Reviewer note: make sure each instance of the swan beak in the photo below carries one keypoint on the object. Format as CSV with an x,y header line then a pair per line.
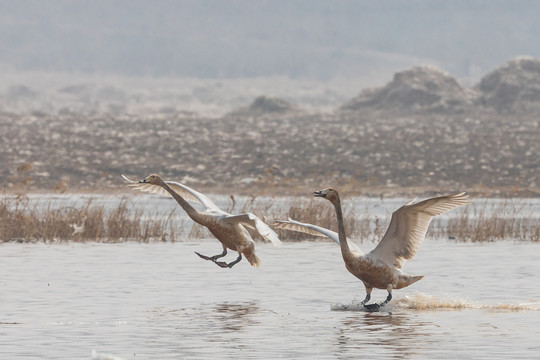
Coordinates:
x,y
143,181
319,193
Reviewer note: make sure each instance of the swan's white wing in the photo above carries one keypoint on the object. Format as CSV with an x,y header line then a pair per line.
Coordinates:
x,y
203,199
409,225
311,229
252,221
186,192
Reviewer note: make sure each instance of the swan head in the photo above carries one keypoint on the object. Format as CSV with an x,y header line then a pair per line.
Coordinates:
x,y
329,194
152,179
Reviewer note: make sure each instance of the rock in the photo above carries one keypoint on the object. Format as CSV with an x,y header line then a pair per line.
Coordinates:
x,y
515,86
421,88
264,105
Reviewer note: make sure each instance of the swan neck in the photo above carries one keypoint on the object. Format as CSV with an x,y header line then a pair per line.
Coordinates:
x,y
190,210
341,229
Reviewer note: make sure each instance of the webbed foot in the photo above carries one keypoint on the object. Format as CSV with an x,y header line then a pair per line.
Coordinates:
x,y
376,307
222,264
372,307
204,257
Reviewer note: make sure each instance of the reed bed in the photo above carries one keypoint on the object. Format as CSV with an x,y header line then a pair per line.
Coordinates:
x,y
481,221
22,221
484,222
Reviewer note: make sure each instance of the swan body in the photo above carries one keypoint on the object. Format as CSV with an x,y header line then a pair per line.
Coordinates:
x,y
227,228
381,267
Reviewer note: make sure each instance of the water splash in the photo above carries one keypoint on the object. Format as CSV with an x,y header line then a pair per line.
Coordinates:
x,y
421,301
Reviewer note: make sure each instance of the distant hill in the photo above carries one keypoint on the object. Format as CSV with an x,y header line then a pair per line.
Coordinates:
x,y
420,89
422,132
264,105
513,87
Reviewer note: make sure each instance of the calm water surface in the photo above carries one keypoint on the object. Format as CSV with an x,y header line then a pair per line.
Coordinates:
x,y
160,301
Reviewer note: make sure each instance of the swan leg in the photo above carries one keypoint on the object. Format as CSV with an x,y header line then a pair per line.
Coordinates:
x,y
223,264
215,257
388,298
230,265
368,295
376,307
370,307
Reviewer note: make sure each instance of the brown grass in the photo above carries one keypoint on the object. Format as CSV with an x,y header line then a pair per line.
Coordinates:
x,y
360,225
484,222
21,221
477,222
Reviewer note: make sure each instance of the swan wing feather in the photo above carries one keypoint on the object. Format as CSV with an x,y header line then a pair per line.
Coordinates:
x,y
294,225
185,191
252,221
409,225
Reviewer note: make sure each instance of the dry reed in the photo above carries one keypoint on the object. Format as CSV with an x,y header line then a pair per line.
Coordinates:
x,y
484,222
21,221
477,222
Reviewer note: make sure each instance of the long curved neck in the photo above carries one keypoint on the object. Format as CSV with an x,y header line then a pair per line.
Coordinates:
x,y
345,250
190,210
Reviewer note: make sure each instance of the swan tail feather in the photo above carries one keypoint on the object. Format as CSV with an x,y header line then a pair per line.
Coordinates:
x,y
414,279
252,258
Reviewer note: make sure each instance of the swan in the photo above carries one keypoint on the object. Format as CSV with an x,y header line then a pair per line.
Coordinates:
x,y
381,267
227,228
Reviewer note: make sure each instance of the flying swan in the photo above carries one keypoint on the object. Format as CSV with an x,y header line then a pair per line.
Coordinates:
x,y
227,228
381,267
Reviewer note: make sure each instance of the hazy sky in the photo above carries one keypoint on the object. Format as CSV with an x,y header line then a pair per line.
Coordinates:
x,y
248,38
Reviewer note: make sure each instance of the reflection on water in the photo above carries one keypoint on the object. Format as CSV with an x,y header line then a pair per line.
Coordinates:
x,y
394,335
235,317
159,301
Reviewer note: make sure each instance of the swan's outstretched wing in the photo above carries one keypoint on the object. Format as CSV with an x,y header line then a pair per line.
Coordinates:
x,y
186,192
311,229
409,225
252,221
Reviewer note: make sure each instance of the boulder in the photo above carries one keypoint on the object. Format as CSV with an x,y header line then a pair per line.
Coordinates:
x,y
268,106
513,87
420,89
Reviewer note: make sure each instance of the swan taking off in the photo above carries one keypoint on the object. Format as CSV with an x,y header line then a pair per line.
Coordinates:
x,y
381,268
228,229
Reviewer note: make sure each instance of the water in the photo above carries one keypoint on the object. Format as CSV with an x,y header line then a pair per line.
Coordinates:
x,y
161,301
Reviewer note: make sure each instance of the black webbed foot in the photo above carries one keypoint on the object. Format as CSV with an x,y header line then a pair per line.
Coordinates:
x,y
204,257
372,307
222,264
377,307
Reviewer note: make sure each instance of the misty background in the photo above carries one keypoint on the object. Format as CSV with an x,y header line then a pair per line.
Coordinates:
x,y
272,95
211,56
